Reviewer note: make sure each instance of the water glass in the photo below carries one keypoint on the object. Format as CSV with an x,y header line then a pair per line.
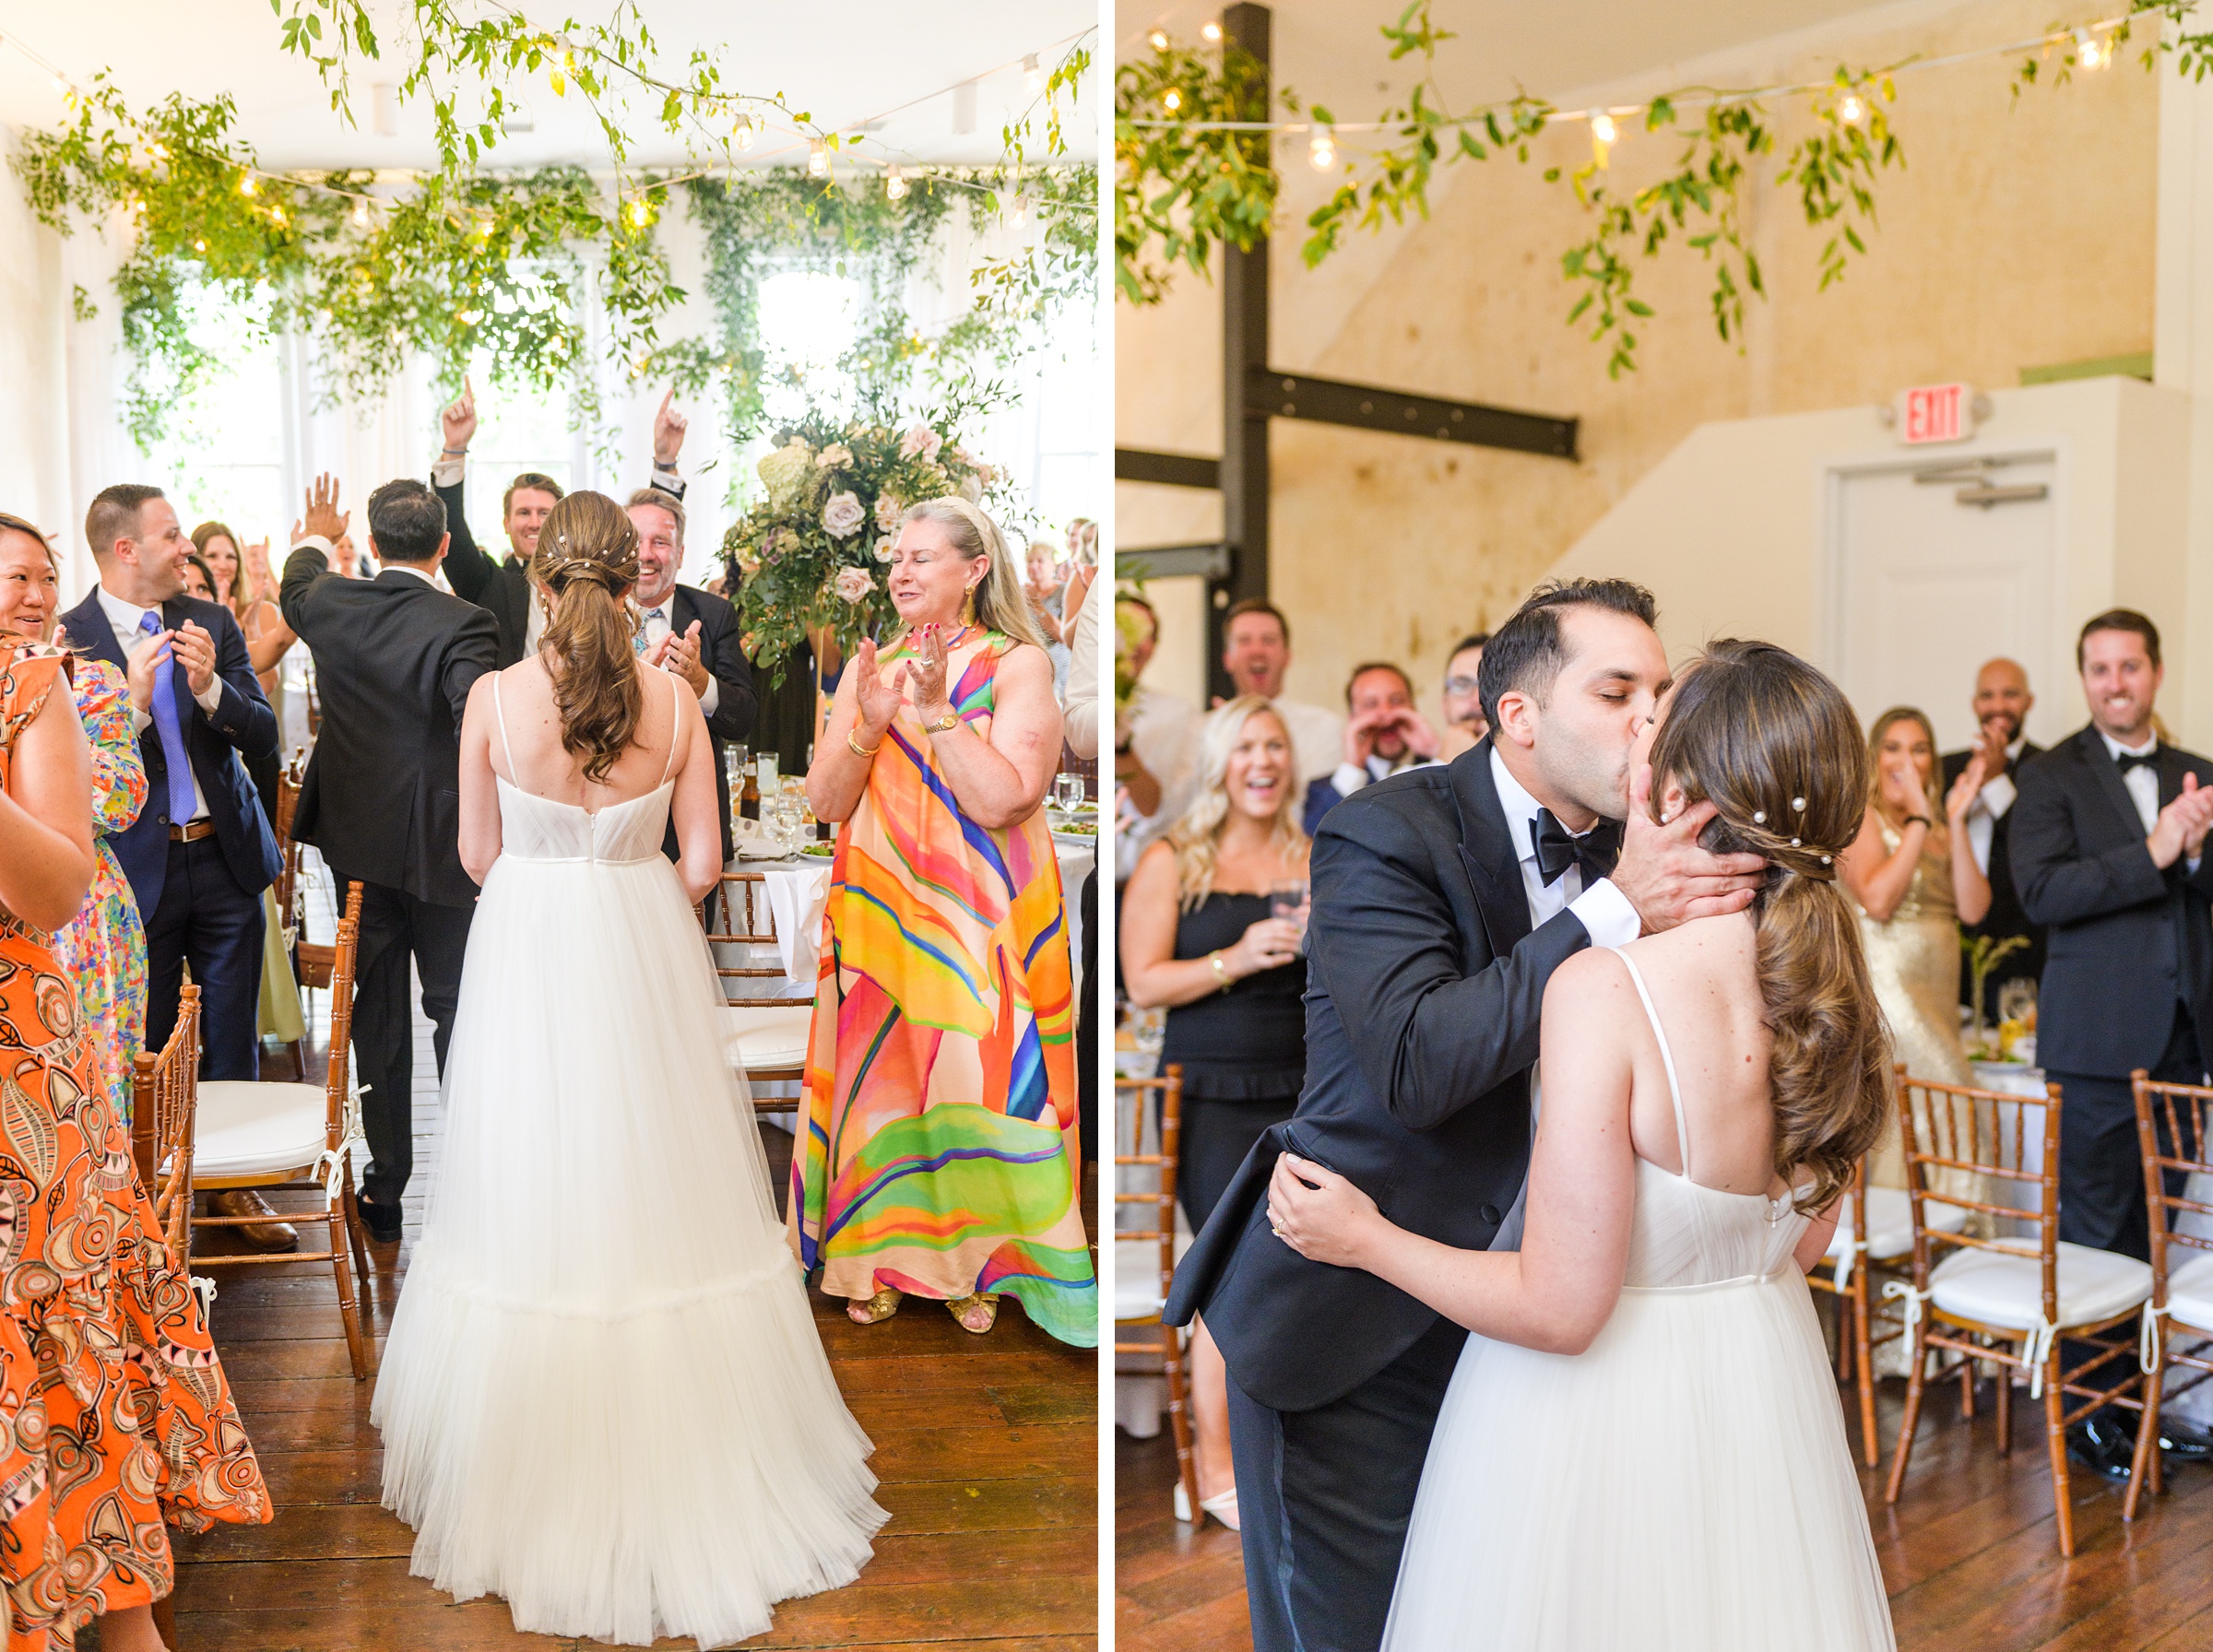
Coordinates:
x,y
764,775
1068,793
2016,1002
1290,900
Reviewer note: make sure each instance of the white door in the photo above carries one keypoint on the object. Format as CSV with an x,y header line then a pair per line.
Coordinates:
x,y
1935,568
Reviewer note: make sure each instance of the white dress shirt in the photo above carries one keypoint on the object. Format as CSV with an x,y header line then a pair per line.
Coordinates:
x,y
1990,806
126,617
2143,784
412,571
658,625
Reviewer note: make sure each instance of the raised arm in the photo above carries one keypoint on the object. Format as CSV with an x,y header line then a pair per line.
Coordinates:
x,y
468,569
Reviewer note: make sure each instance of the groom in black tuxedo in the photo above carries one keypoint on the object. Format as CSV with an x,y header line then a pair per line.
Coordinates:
x,y
1444,898
395,660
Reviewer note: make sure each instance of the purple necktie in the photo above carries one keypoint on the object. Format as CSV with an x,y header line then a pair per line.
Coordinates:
x,y
183,797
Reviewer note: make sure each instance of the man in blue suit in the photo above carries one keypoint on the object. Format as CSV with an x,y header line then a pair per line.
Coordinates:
x,y
200,853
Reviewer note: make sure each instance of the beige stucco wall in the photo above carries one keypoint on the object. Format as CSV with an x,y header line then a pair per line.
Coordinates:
x,y
2020,234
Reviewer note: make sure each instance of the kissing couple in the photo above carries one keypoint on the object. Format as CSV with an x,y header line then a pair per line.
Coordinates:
x,y
1505,1376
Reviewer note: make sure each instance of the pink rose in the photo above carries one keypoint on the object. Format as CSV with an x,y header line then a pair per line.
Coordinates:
x,y
920,439
889,508
842,516
853,584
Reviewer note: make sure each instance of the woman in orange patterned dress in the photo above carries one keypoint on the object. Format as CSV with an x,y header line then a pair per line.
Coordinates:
x,y
114,1410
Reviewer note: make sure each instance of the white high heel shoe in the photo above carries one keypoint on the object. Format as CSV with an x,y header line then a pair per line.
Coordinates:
x,y
1223,1506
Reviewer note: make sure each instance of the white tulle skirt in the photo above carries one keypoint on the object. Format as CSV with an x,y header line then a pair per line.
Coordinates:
x,y
1683,1485
603,1397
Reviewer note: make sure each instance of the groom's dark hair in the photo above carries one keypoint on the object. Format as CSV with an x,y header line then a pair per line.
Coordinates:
x,y
406,522
1526,653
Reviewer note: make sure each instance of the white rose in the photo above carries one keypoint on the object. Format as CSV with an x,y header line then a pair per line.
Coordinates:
x,y
972,490
920,439
834,455
884,550
889,508
843,515
853,584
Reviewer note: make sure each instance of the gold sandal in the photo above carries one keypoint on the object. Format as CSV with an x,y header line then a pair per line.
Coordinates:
x,y
959,1306
880,1307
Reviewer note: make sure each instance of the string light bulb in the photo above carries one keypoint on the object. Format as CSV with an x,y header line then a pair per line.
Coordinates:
x,y
1171,99
60,85
744,133
360,214
639,213
1032,76
1018,212
1321,154
247,185
895,183
1211,32
1851,110
2089,50
1603,129
818,158
1160,40
277,216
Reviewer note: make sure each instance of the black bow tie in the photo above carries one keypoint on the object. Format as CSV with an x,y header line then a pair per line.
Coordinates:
x,y
2131,760
1558,849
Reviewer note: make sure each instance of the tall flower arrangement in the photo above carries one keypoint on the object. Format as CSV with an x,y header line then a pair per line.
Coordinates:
x,y
810,553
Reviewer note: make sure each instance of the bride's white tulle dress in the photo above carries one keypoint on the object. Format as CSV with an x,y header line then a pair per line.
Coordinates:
x,y
1683,1485
603,1397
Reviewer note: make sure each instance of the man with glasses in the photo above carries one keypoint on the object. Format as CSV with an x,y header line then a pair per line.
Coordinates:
x,y
1465,722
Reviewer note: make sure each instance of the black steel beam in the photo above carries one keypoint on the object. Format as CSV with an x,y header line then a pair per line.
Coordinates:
x,y
1168,470
1245,477
1209,559
1271,393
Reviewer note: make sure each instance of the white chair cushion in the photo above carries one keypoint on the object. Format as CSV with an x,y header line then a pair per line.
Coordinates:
x,y
245,1128
756,1040
2190,1292
1890,1223
1136,1279
2006,1288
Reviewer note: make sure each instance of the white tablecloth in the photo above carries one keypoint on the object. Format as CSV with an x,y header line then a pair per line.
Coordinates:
x,y
799,891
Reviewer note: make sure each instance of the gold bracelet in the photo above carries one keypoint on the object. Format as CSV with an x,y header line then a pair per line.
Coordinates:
x,y
1220,973
859,749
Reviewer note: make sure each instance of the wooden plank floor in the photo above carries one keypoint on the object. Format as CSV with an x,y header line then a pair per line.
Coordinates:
x,y
1968,1555
985,1447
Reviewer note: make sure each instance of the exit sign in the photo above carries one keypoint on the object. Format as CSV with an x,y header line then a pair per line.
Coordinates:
x,y
1936,413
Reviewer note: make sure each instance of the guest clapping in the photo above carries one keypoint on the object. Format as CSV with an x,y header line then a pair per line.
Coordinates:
x,y
940,1148
1383,733
1199,938
2001,702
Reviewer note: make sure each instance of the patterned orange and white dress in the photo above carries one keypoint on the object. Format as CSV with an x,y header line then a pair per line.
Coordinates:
x,y
115,1413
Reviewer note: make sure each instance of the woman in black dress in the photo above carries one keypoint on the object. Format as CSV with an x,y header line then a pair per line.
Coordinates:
x,y
1199,938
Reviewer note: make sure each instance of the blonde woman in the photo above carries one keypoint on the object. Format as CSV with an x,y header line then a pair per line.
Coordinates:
x,y
939,1151
1914,877
1198,938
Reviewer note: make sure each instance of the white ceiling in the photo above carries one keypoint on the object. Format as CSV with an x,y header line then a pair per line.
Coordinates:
x,y
846,63
1331,51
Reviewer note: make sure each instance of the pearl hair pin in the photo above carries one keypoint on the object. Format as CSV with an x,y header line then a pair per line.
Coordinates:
x,y
1760,817
1798,804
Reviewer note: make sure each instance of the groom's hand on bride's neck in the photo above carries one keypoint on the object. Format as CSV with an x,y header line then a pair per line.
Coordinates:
x,y
1667,876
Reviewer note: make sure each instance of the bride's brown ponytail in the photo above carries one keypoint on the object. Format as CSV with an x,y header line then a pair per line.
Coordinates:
x,y
588,560
1774,745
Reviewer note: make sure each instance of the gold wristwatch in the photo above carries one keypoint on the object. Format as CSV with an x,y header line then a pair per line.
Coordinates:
x,y
945,724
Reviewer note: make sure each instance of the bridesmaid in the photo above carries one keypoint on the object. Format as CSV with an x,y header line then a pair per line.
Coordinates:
x,y
117,1415
103,950
1914,877
940,1146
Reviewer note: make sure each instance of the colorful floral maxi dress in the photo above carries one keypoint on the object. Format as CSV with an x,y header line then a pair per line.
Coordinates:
x,y
941,1152
113,1409
103,951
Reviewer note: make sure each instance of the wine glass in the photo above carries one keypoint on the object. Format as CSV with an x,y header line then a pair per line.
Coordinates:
x,y
1290,900
2016,1002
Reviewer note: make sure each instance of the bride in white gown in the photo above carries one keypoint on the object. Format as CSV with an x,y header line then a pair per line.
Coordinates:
x,y
603,1397
1642,1447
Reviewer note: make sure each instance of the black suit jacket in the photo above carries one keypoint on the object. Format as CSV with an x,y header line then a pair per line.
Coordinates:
x,y
2124,940
1425,988
241,726
2006,916
501,588
395,660
736,708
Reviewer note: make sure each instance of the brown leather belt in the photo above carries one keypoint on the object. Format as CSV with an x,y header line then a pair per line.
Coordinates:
x,y
192,832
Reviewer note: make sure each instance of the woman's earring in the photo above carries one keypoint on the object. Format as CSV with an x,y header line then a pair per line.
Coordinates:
x,y
968,606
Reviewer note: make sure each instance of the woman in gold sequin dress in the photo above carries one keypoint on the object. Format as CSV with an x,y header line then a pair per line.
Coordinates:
x,y
1916,882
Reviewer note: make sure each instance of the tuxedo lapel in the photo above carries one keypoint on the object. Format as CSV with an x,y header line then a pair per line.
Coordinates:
x,y
90,633
2108,775
2172,770
1487,850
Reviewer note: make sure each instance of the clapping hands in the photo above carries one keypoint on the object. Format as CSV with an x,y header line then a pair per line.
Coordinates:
x,y
2180,832
1967,788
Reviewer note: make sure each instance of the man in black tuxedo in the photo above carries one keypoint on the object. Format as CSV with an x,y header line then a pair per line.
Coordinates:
x,y
1444,898
200,853
395,660
2109,840
2002,703
693,633
503,588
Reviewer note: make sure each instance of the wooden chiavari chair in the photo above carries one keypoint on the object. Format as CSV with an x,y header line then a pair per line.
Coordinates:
x,y
1139,1296
164,1097
2178,1320
298,1138
1996,1292
313,964
765,1036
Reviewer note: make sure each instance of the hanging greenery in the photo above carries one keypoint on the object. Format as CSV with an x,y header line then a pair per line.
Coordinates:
x,y
454,262
1193,165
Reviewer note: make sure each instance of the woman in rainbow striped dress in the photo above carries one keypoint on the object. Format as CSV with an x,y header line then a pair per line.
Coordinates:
x,y
939,1155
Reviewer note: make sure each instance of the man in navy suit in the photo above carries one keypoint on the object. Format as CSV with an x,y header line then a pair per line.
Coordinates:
x,y
200,853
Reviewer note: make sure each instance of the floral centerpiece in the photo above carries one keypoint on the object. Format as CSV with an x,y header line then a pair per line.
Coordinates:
x,y
809,556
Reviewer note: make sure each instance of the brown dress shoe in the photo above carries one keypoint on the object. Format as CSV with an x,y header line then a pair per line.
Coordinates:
x,y
272,1236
